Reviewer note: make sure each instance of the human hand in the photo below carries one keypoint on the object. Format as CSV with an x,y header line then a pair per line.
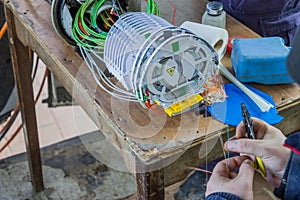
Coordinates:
x,y
268,146
224,179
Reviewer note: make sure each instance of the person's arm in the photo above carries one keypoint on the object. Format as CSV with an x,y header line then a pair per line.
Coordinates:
x,y
289,187
226,183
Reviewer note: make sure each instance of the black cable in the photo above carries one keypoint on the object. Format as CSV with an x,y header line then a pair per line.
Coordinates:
x,y
35,67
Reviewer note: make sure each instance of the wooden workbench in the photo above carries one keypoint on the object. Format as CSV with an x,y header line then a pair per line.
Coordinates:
x,y
158,148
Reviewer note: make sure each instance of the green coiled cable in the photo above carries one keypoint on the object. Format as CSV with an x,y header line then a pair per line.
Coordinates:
x,y
92,37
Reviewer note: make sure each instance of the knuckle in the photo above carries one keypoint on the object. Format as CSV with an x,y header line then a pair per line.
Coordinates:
x,y
245,146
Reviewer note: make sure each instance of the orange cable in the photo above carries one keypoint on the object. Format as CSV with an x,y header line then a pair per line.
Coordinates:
x,y
3,30
174,12
8,122
200,170
12,137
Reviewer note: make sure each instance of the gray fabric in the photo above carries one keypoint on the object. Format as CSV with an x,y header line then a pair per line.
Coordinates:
x,y
293,60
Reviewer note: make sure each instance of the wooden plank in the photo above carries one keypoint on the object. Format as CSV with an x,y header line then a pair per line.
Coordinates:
x,y
210,149
22,72
291,113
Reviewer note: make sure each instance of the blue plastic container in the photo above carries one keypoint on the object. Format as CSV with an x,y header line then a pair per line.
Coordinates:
x,y
260,60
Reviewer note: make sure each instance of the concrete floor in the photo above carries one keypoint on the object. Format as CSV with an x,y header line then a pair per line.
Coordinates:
x,y
71,172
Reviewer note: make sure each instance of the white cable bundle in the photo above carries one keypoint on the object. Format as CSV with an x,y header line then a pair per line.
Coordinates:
x,y
263,104
92,61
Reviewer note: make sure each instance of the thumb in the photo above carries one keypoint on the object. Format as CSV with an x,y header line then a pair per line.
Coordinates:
x,y
246,171
246,146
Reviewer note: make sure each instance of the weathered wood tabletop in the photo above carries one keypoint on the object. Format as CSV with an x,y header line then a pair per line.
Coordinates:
x,y
159,148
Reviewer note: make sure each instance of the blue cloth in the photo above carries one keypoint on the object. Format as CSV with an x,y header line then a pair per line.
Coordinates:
x,y
222,196
230,112
267,18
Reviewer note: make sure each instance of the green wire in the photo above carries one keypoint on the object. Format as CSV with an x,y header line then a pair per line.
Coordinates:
x,y
94,13
227,133
105,21
76,30
101,35
152,8
95,37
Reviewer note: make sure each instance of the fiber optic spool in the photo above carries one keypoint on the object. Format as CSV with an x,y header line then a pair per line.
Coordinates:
x,y
159,62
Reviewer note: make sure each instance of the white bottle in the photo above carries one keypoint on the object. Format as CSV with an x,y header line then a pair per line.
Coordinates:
x,y
214,15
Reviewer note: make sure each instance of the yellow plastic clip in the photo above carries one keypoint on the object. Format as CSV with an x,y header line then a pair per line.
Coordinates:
x,y
183,105
261,167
